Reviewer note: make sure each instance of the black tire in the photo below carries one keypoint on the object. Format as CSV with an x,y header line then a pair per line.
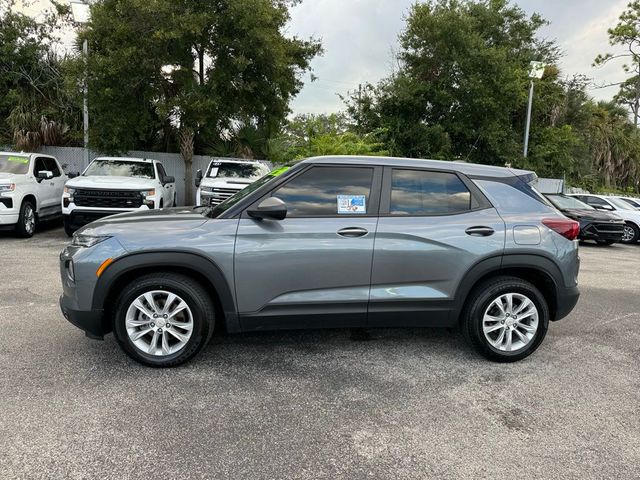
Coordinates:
x,y
478,302
68,229
24,228
636,233
196,297
605,242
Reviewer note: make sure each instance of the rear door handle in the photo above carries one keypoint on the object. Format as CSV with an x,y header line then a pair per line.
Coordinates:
x,y
352,232
480,231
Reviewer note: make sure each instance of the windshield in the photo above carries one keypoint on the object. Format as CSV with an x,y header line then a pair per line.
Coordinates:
x,y
562,202
14,164
632,202
214,212
238,170
120,168
622,205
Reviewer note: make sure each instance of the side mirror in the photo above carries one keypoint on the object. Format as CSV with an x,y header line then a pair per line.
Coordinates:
x,y
73,174
44,175
272,208
168,179
198,178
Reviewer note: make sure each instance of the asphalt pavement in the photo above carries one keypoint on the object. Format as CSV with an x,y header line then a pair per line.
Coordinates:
x,y
396,404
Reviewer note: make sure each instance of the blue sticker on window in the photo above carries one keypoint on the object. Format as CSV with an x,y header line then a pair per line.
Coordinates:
x,y
350,204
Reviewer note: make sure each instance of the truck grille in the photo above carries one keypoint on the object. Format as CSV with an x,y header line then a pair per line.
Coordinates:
x,y
107,198
219,195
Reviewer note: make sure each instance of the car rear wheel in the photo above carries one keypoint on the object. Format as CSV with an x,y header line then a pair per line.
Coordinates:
x,y
505,319
631,233
163,319
26,225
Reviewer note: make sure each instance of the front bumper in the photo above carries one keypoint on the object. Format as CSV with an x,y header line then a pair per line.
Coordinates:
x,y
567,299
91,321
79,217
602,231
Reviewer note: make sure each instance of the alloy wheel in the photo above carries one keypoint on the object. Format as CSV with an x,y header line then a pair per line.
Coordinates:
x,y
510,322
628,234
159,323
29,219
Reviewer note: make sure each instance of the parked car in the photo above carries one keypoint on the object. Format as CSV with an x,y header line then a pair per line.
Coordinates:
x,y
634,202
603,227
225,178
630,215
30,188
111,185
332,242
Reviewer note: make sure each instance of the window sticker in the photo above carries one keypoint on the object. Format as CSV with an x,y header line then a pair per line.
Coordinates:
x,y
278,171
350,204
18,159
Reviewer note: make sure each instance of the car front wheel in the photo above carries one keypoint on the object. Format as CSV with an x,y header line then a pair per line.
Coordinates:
x,y
163,319
506,319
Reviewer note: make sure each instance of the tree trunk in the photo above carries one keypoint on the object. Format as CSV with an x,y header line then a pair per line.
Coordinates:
x,y
186,150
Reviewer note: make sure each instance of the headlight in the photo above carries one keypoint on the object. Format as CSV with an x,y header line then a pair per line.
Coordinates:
x,y
87,241
7,187
148,193
69,190
149,202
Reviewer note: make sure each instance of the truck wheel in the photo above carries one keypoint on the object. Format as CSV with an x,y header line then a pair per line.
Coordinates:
x,y
26,225
163,319
68,229
505,319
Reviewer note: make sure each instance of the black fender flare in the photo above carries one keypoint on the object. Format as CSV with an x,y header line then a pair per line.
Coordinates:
x,y
496,265
169,259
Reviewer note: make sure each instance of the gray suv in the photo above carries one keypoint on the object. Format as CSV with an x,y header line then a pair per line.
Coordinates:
x,y
332,242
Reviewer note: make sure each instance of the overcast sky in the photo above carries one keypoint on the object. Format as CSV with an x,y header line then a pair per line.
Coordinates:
x,y
360,36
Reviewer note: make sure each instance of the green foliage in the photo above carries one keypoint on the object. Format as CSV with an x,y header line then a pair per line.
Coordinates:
x,y
313,135
157,65
31,80
462,82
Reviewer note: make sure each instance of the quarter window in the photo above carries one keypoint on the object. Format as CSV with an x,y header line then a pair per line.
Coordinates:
x,y
416,192
328,191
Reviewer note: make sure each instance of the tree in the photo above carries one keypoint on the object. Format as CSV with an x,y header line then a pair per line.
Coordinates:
x,y
460,89
626,34
313,135
34,107
159,68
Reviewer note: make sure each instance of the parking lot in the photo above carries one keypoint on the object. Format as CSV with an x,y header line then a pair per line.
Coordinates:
x,y
407,403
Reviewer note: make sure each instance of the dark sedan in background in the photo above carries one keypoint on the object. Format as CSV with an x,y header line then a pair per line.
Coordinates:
x,y
603,227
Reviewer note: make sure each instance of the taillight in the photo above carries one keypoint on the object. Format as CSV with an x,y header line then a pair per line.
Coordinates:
x,y
569,229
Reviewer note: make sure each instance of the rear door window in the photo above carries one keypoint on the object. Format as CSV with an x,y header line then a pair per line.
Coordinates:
x,y
418,192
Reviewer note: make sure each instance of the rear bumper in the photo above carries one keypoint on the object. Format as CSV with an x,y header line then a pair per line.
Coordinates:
x,y
602,231
566,301
92,322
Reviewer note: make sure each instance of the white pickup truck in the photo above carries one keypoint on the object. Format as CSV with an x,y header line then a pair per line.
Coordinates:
x,y
31,185
225,178
111,185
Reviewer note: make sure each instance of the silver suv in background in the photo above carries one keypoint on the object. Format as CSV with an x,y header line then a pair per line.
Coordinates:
x,y
332,242
225,178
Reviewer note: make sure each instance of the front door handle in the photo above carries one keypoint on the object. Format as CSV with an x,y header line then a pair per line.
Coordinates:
x,y
352,232
480,231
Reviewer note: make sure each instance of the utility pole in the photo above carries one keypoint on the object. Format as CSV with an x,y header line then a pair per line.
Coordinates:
x,y
85,107
536,72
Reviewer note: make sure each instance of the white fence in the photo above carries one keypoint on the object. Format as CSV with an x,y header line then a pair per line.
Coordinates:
x,y
72,160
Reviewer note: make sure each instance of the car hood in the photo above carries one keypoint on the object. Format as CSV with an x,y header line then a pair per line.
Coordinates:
x,y
231,182
151,223
593,215
11,177
111,182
